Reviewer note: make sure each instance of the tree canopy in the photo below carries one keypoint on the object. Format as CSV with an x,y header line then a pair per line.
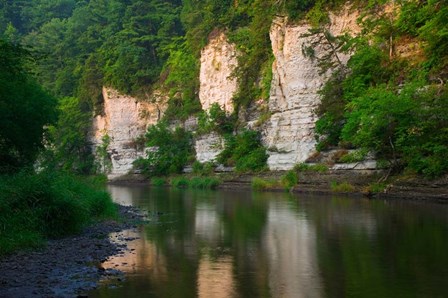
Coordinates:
x,y
25,109
138,46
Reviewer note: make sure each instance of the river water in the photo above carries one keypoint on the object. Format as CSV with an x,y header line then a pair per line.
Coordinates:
x,y
246,244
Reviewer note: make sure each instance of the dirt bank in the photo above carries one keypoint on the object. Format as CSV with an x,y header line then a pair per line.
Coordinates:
x,y
66,267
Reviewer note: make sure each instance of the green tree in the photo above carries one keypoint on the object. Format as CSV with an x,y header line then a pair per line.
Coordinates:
x,y
70,150
170,153
244,151
25,109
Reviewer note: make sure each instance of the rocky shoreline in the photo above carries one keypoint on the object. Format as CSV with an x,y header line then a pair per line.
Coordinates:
x,y
67,267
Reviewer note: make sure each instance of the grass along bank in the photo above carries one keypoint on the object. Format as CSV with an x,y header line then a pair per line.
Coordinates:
x,y
37,207
317,179
195,182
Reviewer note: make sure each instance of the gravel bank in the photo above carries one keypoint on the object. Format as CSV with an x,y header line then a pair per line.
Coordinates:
x,y
66,267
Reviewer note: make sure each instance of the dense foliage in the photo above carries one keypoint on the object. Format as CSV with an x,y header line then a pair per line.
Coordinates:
x,y
136,45
48,204
70,150
390,103
244,151
169,152
215,119
34,207
25,108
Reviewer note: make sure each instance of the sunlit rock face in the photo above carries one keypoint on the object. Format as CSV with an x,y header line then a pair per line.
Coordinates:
x,y
218,60
208,147
293,263
289,134
124,120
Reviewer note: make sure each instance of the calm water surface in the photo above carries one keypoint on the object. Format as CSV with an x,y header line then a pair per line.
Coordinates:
x,y
243,244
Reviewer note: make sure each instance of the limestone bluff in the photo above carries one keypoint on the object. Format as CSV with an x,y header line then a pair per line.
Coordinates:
x,y
288,134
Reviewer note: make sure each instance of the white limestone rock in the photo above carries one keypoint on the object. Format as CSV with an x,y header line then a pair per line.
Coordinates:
x,y
218,60
289,134
124,120
208,147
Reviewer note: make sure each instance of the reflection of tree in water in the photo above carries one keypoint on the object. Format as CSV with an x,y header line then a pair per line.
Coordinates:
x,y
200,237
244,220
172,215
382,249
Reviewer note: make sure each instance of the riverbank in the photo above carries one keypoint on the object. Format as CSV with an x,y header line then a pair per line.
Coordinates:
x,y
66,267
348,182
354,184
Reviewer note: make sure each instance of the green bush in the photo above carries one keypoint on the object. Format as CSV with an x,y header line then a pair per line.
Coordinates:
x,y
195,182
172,151
97,181
263,184
34,207
318,168
204,182
341,187
180,182
158,181
375,187
244,151
215,119
289,180
203,169
355,156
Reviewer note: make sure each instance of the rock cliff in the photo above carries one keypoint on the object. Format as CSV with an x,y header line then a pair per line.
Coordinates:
x,y
218,60
289,134
124,120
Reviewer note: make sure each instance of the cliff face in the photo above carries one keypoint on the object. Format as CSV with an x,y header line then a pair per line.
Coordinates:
x,y
124,120
218,60
289,134
208,147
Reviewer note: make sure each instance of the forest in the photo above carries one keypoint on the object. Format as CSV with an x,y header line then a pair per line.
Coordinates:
x,y
57,54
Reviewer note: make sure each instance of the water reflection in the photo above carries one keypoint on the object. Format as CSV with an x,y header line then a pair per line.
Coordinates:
x,y
290,244
238,244
215,277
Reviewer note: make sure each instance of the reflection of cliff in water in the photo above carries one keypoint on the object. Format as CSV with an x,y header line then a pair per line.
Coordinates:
x,y
221,246
290,244
231,244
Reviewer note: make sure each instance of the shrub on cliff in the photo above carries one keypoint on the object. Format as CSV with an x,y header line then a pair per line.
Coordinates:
x,y
172,150
244,151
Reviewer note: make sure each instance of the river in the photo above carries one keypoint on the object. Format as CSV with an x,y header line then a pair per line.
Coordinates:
x,y
248,244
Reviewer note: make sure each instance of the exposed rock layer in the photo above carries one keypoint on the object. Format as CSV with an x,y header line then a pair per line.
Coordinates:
x,y
289,134
208,147
125,119
218,60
